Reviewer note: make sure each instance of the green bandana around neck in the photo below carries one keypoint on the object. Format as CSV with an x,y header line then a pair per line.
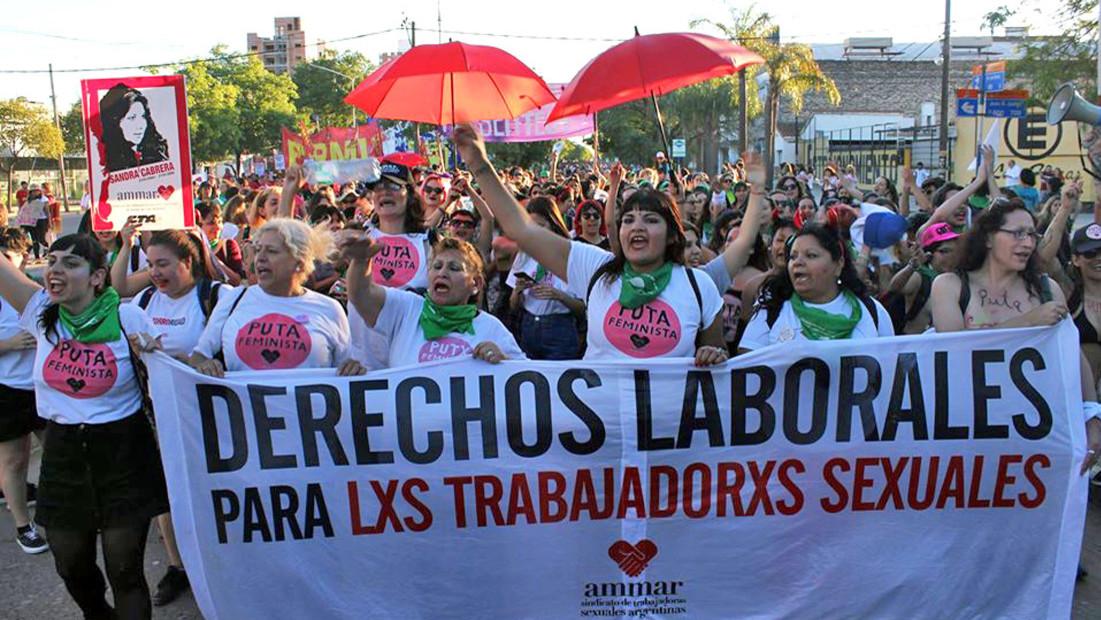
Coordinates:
x,y
927,271
540,273
640,288
438,321
98,323
821,325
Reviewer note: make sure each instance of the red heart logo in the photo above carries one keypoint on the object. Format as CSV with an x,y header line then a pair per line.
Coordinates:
x,y
166,191
633,559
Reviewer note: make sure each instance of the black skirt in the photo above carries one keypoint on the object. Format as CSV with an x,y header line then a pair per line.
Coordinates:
x,y
18,414
99,476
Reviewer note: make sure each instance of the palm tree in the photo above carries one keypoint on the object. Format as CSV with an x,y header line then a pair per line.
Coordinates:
x,y
792,70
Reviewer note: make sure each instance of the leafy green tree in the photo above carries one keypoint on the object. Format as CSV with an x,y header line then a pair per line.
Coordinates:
x,y
1070,56
526,154
236,106
25,129
629,132
791,68
322,86
72,129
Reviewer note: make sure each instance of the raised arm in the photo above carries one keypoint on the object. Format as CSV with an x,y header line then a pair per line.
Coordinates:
x,y
616,174
291,182
364,295
485,227
944,212
737,253
547,248
127,285
992,189
1057,229
15,286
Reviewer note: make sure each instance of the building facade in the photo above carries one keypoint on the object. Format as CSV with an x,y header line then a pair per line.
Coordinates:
x,y
281,52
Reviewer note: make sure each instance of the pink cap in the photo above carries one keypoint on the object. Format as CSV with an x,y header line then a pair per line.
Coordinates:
x,y
937,233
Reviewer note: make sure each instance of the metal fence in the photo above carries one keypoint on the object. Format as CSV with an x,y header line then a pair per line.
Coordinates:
x,y
876,151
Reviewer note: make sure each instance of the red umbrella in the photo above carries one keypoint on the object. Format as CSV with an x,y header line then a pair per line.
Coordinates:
x,y
648,66
409,160
451,83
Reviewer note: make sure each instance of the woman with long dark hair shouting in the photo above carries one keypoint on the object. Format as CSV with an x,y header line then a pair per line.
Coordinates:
x,y
101,472
642,301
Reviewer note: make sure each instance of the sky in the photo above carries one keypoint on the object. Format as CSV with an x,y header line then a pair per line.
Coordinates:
x,y
78,34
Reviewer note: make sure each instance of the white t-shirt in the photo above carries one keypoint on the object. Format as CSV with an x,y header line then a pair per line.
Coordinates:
x,y
77,383
16,367
180,322
787,327
403,261
399,322
265,332
538,307
664,327
403,264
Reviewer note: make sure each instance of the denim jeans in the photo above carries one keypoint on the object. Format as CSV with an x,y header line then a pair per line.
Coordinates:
x,y
550,336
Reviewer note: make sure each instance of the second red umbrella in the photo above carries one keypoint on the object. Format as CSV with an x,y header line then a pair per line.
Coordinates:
x,y
451,83
650,66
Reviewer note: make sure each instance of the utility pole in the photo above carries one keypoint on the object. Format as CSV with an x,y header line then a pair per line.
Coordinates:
x,y
743,117
439,23
61,158
946,60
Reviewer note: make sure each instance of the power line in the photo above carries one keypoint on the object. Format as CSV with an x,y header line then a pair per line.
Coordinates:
x,y
191,62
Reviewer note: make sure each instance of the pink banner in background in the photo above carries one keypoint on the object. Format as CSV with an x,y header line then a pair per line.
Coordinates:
x,y
532,127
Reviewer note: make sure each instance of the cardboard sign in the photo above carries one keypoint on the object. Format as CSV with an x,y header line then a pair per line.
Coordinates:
x,y
139,152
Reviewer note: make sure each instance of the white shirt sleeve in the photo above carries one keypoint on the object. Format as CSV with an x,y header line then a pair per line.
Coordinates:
x,y
210,341
886,327
716,270
400,306
710,296
584,260
756,332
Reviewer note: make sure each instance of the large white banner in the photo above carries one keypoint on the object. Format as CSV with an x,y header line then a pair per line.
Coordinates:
x,y
917,477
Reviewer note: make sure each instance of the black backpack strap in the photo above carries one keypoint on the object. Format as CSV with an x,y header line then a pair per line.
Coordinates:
x,y
965,291
207,290
146,297
220,355
869,304
919,300
135,258
599,273
696,290
1045,290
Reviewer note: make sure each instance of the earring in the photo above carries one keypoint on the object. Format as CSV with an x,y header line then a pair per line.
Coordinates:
x,y
839,282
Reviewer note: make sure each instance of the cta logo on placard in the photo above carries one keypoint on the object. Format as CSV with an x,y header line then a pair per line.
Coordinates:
x,y
651,330
635,599
273,341
397,263
80,370
444,348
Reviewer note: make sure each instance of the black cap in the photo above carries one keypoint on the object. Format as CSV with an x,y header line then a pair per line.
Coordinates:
x,y
1086,239
396,172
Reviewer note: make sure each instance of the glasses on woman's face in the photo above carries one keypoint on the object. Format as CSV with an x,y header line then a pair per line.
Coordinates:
x,y
462,224
1021,234
789,186
590,215
1089,254
433,190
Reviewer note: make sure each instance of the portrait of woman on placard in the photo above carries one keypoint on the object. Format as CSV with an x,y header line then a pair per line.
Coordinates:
x,y
130,138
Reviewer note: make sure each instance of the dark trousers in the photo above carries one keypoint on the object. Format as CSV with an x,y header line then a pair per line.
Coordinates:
x,y
38,235
74,554
550,336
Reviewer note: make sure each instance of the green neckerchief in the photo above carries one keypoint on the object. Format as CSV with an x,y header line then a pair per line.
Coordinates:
x,y
821,325
640,288
98,323
927,271
540,273
439,321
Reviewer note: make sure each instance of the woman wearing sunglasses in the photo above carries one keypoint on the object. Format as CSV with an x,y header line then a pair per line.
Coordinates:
x,y
999,285
588,226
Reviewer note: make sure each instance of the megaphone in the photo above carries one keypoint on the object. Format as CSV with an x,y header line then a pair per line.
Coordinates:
x,y
1068,105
